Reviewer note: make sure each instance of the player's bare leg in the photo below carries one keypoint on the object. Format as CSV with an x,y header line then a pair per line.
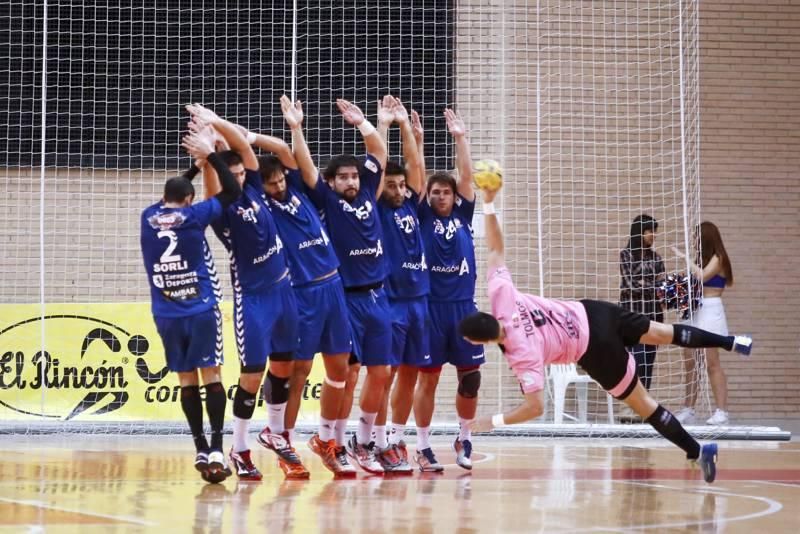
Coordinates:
x,y
469,381
402,400
424,396
387,454
297,383
333,393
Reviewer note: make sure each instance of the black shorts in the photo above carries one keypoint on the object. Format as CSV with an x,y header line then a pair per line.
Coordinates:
x,y
611,329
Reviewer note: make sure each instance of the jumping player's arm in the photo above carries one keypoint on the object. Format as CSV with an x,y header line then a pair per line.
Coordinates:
x,y
531,408
293,115
458,129
493,233
372,139
410,153
201,146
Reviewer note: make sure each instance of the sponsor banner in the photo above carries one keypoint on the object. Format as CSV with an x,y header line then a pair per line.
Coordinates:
x,y
103,363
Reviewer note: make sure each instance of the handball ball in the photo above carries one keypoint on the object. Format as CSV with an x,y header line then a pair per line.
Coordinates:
x,y
488,175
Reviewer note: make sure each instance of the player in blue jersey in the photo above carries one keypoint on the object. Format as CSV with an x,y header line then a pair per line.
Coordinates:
x,y
347,196
407,286
185,292
446,220
265,309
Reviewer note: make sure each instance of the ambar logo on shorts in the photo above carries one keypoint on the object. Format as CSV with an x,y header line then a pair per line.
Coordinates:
x,y
86,366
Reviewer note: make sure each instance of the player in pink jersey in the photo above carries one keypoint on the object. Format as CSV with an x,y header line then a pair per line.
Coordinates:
x,y
534,331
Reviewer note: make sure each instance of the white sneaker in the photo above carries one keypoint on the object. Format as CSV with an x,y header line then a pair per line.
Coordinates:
x,y
685,415
720,417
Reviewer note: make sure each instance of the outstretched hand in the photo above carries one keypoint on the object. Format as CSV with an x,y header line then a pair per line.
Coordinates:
x,y
488,196
455,124
292,113
385,110
416,124
399,111
200,144
350,112
201,115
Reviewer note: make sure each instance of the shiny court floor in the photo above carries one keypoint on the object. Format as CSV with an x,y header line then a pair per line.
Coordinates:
x,y
147,483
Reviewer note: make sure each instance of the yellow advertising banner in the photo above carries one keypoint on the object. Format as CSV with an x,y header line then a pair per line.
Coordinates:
x,y
101,363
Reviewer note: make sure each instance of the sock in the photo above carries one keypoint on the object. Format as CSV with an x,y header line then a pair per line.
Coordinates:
x,y
215,407
327,430
244,404
276,413
423,438
340,430
396,433
464,432
380,436
193,409
291,435
669,427
365,423
695,338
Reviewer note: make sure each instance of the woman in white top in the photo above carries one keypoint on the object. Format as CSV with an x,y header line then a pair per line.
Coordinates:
x,y
716,275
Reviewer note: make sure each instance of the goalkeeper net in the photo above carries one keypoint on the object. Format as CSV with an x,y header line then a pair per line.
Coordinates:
x,y
591,108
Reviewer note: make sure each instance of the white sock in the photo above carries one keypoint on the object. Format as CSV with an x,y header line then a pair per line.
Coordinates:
x,y
396,433
240,434
291,435
326,429
340,430
423,438
464,431
380,436
365,423
275,415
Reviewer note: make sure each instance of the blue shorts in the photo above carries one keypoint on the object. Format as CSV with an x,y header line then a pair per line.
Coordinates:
x,y
447,346
410,332
191,342
322,312
371,326
265,323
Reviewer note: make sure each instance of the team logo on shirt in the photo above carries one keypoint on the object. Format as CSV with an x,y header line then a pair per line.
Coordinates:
x,y
165,221
453,225
369,164
406,224
362,213
249,214
461,269
416,266
369,251
274,249
291,206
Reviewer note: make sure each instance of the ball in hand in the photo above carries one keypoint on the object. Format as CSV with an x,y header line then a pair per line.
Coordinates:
x,y
488,175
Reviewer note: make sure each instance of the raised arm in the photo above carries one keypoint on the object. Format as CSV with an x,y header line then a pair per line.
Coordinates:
x,y
275,145
493,234
202,117
293,115
201,146
385,119
372,139
410,152
458,129
419,137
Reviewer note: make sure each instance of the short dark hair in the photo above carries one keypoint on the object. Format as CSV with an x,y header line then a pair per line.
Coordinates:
x,y
230,157
340,161
479,326
268,165
177,189
442,178
395,169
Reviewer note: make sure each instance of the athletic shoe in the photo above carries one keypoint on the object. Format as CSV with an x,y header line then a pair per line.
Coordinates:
x,y
288,460
218,469
463,453
404,468
743,345
364,456
402,450
346,467
427,463
720,417
685,415
388,458
201,461
328,452
708,461
245,469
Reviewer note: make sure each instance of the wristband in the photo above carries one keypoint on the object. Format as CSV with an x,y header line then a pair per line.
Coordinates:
x,y
498,420
251,138
366,128
488,208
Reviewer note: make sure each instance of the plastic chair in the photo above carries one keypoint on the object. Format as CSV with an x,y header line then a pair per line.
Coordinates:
x,y
564,374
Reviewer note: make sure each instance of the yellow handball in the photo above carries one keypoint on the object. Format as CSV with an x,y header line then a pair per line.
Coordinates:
x,y
488,175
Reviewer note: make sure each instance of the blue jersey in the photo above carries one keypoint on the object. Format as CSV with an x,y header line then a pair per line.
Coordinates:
x,y
405,253
248,231
180,268
309,250
355,227
450,251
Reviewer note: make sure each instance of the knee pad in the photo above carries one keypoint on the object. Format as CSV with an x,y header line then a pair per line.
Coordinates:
x,y
244,403
276,389
469,382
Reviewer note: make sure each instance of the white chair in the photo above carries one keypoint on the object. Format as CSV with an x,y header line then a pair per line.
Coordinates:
x,y
561,376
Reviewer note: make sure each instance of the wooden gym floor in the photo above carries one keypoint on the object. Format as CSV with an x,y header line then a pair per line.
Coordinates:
x,y
87,484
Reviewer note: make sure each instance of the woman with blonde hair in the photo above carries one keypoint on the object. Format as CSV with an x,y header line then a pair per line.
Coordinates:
x,y
716,274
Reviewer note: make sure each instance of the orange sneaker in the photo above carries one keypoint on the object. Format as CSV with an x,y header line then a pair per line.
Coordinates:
x,y
327,450
288,460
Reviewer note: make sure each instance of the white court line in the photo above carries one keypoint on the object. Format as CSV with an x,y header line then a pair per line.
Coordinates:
x,y
41,504
782,484
489,457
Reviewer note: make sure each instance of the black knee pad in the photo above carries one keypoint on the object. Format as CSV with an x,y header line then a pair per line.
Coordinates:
x,y
469,382
276,389
244,403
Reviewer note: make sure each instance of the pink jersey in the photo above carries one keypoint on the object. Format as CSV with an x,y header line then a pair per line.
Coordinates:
x,y
538,331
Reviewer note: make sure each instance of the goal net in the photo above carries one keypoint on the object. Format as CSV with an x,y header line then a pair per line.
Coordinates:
x,y
591,108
